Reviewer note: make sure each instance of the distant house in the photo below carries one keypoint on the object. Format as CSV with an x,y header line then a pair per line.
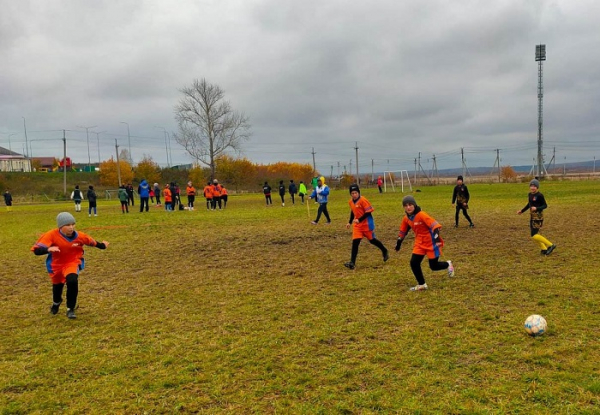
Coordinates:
x,y
43,163
11,161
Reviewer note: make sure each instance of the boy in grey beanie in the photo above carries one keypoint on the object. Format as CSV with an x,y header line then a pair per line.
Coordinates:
x,y
64,247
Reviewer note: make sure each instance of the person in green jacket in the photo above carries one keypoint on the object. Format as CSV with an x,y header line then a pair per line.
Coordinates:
x,y
302,190
124,198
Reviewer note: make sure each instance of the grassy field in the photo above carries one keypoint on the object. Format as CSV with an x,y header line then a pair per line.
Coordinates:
x,y
250,310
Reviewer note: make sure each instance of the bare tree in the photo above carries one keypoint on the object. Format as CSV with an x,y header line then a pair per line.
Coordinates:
x,y
208,127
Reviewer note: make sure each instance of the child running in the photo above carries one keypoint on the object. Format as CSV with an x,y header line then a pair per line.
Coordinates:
x,y
461,197
64,247
361,219
427,241
536,206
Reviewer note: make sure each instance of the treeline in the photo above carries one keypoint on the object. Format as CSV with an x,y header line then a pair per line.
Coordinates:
x,y
238,174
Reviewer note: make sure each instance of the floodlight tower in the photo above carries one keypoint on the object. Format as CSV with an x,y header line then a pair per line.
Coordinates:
x,y
540,57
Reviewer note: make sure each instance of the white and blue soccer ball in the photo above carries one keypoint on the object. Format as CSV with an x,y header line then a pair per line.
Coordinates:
x,y
535,325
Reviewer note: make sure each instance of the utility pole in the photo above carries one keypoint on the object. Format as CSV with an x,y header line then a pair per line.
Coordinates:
x,y
415,180
357,176
331,175
372,170
314,162
338,169
118,163
434,169
98,140
65,163
497,163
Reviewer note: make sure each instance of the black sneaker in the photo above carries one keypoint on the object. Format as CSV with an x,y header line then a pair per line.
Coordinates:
x,y
386,256
456,226
543,252
71,313
54,308
471,225
350,265
550,249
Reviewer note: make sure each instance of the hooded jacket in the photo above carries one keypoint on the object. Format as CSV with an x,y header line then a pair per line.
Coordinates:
x,y
144,189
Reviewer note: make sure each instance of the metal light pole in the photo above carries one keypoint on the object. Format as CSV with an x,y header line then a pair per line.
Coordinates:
x,y
118,163
166,143
87,133
128,142
26,145
540,57
10,149
98,140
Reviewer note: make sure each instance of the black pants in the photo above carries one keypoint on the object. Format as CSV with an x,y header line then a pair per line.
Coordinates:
x,y
460,207
124,206
216,200
268,200
434,264
322,210
143,201
157,198
293,195
72,291
130,197
191,199
224,199
356,244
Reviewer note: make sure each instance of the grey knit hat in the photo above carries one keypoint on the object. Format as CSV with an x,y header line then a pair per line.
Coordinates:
x,y
409,200
535,183
65,218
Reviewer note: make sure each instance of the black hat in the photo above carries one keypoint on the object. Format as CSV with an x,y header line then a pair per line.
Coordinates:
x,y
354,188
459,178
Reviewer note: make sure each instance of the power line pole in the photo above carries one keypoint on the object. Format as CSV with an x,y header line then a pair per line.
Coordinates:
x,y
357,175
435,169
372,170
314,162
497,163
65,163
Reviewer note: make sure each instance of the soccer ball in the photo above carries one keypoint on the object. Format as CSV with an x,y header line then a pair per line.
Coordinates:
x,y
535,325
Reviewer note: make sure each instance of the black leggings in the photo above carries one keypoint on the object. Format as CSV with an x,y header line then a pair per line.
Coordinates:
x,y
356,243
464,211
72,291
434,264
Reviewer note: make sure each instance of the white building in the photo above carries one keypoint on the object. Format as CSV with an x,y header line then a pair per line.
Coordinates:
x,y
11,161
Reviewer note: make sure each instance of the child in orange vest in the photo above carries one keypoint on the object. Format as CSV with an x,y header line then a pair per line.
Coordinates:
x,y
361,219
427,241
64,248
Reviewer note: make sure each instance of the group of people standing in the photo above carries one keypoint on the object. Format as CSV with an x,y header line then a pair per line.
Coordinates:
x,y
216,195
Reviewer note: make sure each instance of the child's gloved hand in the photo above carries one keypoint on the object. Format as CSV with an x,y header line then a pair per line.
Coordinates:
x,y
398,244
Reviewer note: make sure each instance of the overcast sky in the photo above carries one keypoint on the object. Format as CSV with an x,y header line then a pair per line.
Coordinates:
x,y
395,78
